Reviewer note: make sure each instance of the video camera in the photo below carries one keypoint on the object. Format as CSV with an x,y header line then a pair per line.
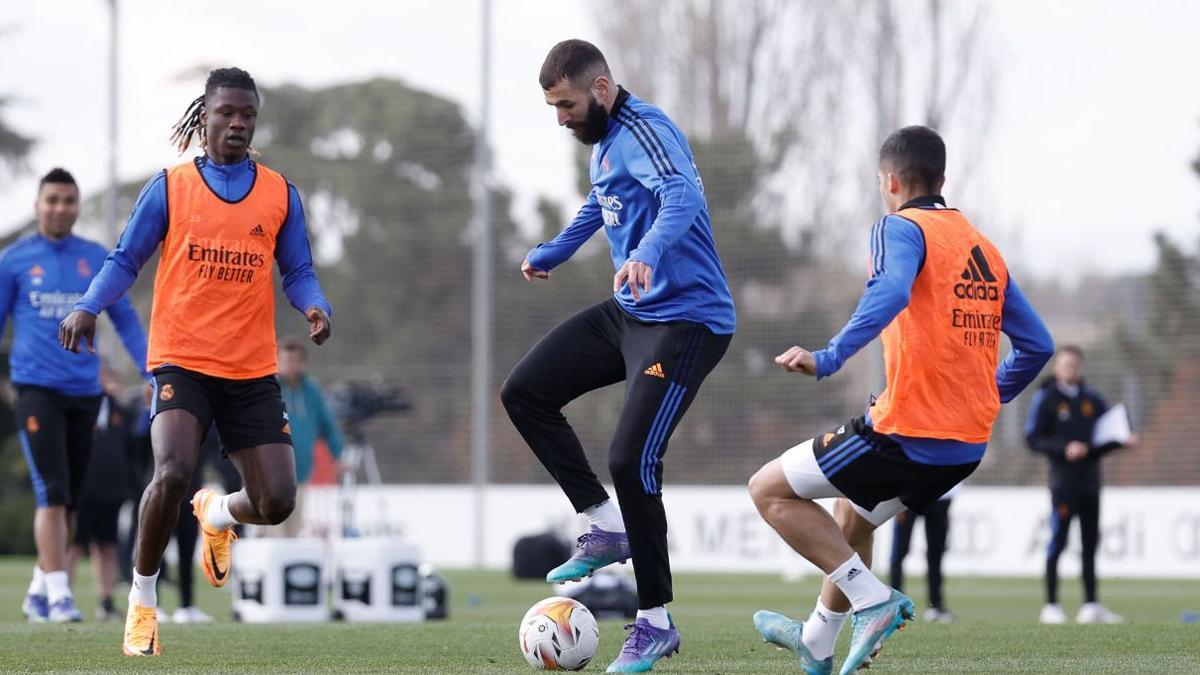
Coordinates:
x,y
356,401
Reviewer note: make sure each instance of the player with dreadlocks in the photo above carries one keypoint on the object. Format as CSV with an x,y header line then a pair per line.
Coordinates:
x,y
222,220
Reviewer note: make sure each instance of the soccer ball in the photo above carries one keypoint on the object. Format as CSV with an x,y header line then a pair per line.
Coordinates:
x,y
558,634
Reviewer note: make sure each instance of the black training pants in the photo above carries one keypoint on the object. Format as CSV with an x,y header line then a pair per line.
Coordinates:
x,y
937,527
1065,506
663,365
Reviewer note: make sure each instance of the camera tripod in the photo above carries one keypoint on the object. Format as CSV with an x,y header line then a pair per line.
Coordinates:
x,y
361,468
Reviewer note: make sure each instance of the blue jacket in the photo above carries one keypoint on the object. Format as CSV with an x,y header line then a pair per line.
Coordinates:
x,y
148,226
897,252
40,282
310,418
647,195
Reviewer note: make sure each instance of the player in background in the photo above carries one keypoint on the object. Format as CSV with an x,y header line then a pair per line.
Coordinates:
x,y
223,220
58,394
311,419
108,484
1061,420
940,294
937,531
668,323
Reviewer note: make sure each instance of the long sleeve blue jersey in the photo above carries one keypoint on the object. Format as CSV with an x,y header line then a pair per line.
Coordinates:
x,y
148,226
897,250
40,282
648,196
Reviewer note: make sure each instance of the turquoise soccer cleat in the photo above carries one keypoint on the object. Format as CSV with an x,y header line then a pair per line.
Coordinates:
x,y
785,633
596,549
873,625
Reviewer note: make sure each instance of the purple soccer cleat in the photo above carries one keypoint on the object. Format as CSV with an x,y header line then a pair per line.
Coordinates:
x,y
644,647
598,548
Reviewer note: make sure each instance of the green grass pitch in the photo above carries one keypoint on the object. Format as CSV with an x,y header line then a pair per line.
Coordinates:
x,y
997,632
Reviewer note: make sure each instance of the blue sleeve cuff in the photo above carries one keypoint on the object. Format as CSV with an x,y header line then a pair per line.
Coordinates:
x,y
537,259
825,366
649,258
88,304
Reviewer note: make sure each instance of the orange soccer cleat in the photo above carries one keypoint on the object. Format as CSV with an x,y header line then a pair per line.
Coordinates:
x,y
141,631
216,553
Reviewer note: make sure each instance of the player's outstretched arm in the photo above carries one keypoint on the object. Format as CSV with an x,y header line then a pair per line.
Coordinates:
x,y
657,160
897,249
300,283
545,257
143,233
8,290
1032,345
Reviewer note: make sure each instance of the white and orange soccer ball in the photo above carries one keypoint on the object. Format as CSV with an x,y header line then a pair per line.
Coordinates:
x,y
558,634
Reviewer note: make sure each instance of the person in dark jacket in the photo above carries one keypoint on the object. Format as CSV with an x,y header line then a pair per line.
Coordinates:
x,y
107,485
1061,421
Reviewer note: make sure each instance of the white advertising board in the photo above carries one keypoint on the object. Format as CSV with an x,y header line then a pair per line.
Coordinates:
x,y
1145,532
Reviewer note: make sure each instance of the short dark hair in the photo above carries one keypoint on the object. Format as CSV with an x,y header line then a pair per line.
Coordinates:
x,y
293,344
1071,349
58,175
577,60
917,155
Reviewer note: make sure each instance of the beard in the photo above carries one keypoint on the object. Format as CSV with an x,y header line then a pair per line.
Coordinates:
x,y
594,126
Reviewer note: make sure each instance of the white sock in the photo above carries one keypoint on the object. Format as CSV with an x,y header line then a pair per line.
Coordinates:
x,y
858,583
144,590
657,616
822,629
38,585
217,514
58,586
605,516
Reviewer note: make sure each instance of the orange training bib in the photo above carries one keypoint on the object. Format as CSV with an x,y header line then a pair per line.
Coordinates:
x,y
214,304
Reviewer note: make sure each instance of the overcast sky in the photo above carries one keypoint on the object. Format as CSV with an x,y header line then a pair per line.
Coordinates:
x,y
1097,121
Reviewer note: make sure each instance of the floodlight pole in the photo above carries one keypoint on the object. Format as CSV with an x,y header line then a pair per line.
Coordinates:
x,y
110,198
481,295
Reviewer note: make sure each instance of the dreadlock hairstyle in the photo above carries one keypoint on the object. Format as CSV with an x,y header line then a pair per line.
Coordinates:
x,y
189,125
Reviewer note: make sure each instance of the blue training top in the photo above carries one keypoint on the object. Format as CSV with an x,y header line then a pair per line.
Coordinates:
x,y
40,281
897,251
647,194
148,226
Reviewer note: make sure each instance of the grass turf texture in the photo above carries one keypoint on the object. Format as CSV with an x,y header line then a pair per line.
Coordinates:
x,y
996,632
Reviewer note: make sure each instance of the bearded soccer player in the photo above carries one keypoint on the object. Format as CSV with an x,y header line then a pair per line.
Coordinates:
x,y
58,394
222,220
940,294
667,325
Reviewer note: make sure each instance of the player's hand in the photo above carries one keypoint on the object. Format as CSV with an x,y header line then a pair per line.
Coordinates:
x,y
636,275
1132,442
532,272
319,325
1076,450
798,360
77,328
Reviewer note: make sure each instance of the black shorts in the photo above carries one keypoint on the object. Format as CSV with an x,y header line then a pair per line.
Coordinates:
x,y
96,522
248,413
55,431
870,468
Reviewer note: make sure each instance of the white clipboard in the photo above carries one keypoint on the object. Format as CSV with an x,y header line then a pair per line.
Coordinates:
x,y
1112,427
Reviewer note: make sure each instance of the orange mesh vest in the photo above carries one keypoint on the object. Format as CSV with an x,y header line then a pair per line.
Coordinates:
x,y
940,352
214,298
